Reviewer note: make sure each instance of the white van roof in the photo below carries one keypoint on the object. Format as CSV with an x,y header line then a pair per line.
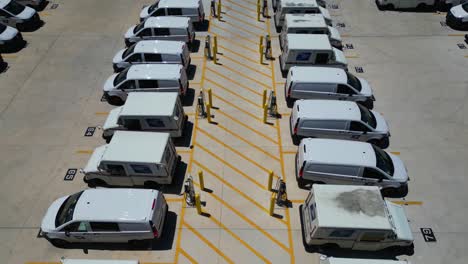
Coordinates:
x,y
149,104
335,151
356,207
139,147
114,204
299,3
179,3
318,74
305,21
308,42
332,260
159,46
154,72
328,110
167,22
97,261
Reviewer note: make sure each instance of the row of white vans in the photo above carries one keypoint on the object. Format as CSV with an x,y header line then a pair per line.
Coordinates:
x,y
340,142
156,60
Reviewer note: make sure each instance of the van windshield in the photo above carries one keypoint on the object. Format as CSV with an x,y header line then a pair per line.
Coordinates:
x,y
354,81
128,51
153,6
65,213
367,116
2,28
139,27
122,76
14,8
384,162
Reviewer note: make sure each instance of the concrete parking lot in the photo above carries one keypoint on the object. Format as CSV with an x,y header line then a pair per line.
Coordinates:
x,y
51,92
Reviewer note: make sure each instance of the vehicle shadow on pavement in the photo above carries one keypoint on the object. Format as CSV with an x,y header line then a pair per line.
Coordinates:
x,y
192,69
179,175
186,138
189,97
195,46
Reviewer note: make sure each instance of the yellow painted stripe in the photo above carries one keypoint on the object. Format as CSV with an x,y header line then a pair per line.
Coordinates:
x,y
184,151
197,57
248,142
242,56
466,56
9,56
289,152
408,202
174,200
246,126
241,6
44,14
190,258
208,243
190,114
239,13
395,152
245,65
239,45
84,152
285,114
234,82
297,201
233,93
247,77
101,113
237,107
352,56
243,21
242,29
234,34
232,167
41,262
234,150
194,83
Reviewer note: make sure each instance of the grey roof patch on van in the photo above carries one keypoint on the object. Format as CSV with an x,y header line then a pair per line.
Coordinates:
x,y
361,201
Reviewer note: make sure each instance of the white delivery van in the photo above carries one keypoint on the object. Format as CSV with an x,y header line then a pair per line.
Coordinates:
x,y
161,28
326,83
405,4
298,7
309,24
17,15
332,260
97,261
354,217
457,17
339,120
132,158
10,37
310,50
105,216
334,161
157,112
192,9
152,52
145,78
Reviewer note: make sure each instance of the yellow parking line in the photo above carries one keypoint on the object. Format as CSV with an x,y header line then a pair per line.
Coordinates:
x,y
239,13
243,21
247,77
352,56
232,167
240,240
395,152
170,200
190,258
197,57
9,56
241,6
184,151
248,67
234,34
190,114
238,45
101,113
207,242
84,152
233,93
408,202
241,28
205,169
44,14
246,126
234,150
252,223
237,107
289,152
285,114
235,82
242,56
248,142
297,201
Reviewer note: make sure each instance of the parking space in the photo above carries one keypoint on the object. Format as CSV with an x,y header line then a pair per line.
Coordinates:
x,y
51,98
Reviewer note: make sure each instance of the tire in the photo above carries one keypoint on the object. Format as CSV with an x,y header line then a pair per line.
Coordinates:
x,y
114,100
95,183
389,7
290,102
152,185
384,143
60,243
369,104
296,139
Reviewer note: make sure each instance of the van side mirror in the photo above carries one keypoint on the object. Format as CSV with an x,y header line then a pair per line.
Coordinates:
x,y
67,233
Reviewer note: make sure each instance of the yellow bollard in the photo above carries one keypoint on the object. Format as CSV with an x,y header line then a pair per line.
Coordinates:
x,y
198,203
265,113
272,205
210,97
208,112
201,180
219,10
261,54
260,44
270,180
215,48
258,10
264,99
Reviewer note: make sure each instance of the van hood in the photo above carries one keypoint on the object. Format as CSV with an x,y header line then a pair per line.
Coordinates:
x,y
118,56
365,87
27,13
48,221
94,160
8,33
382,125
112,118
458,11
402,227
400,173
129,32
109,84
340,57
144,13
334,34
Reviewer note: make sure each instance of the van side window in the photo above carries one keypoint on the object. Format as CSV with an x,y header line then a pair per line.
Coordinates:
x,y
312,212
73,227
372,174
358,126
324,124
322,88
159,12
104,227
161,31
321,58
148,84
143,169
168,83
155,122
134,58
342,170
341,233
177,31
4,14
128,85
132,124
303,56
152,57
373,236
145,32
343,89
117,170
174,11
